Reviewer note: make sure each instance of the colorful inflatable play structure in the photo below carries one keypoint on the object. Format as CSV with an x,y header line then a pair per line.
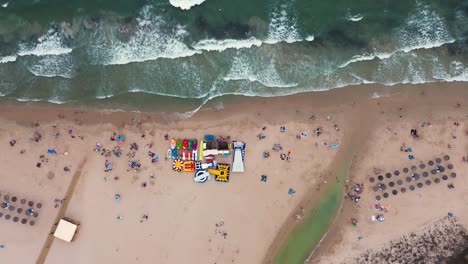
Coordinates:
x,y
221,173
201,176
199,157
177,165
189,166
239,154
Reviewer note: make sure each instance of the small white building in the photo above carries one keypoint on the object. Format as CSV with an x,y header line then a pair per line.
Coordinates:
x,y
65,230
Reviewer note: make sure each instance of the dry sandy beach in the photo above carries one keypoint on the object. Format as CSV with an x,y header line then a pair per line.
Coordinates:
x,y
182,215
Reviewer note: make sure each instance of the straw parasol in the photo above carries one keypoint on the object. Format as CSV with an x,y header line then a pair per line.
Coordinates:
x,y
446,157
371,179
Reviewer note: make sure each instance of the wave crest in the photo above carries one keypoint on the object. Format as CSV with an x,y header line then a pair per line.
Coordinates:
x,y
185,4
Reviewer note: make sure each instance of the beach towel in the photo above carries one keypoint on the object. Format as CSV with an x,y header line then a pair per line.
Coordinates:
x,y
51,151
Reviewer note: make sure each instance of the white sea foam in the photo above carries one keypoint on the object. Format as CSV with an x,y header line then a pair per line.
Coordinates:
x,y
221,45
153,39
364,81
283,26
366,57
310,38
53,66
24,99
149,91
5,5
56,100
104,96
7,59
355,18
456,71
424,29
267,75
185,4
52,43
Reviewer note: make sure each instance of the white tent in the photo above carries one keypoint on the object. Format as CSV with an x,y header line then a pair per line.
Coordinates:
x,y
65,230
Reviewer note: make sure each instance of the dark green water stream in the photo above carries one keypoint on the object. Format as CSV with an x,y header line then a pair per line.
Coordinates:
x,y
310,231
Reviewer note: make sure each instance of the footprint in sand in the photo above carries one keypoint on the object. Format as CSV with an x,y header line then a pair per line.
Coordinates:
x,y
50,175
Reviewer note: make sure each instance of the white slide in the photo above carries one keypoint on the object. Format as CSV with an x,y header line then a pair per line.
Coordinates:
x,y
238,163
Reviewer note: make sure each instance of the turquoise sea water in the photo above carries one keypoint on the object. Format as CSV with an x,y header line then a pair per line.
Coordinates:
x,y
150,53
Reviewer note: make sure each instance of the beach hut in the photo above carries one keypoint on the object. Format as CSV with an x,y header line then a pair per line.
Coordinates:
x,y
65,230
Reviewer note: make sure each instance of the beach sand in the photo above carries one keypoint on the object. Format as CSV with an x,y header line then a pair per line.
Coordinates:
x,y
442,130
182,215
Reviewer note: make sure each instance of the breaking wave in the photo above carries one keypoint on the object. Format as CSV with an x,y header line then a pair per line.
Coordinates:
x,y
242,69
221,45
151,40
7,59
185,4
52,43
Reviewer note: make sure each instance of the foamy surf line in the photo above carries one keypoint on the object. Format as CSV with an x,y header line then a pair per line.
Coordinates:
x,y
185,4
7,59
